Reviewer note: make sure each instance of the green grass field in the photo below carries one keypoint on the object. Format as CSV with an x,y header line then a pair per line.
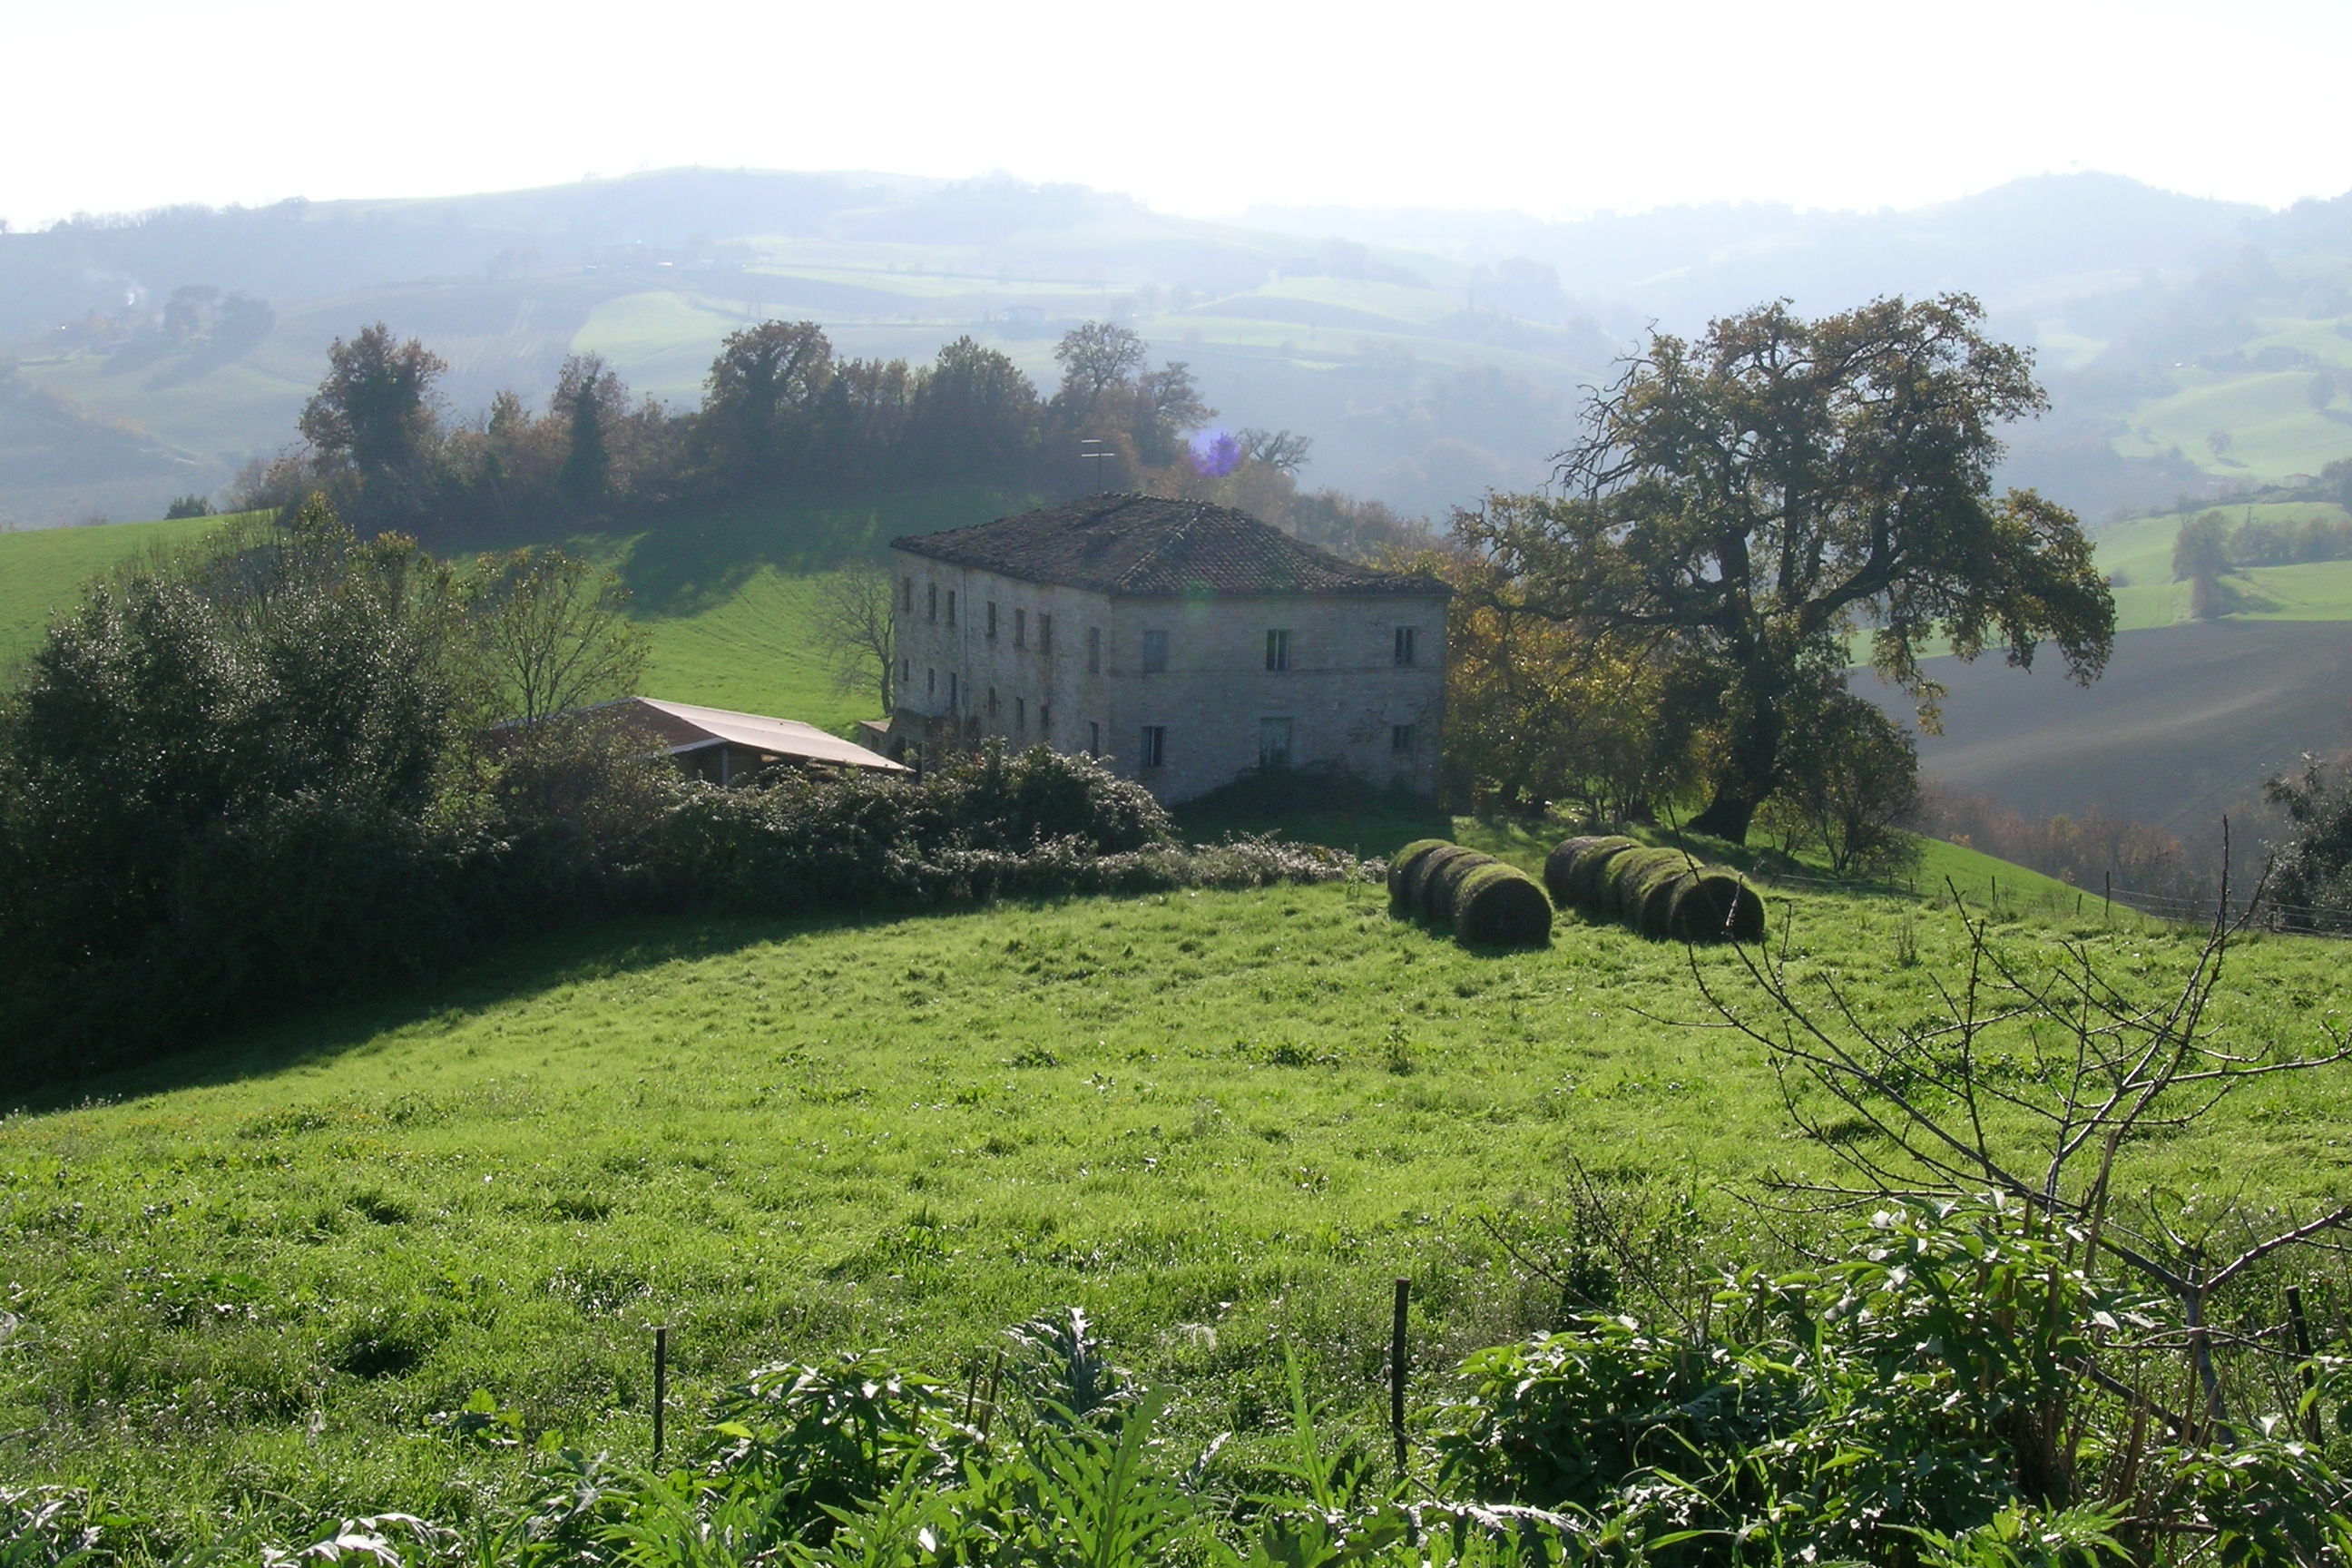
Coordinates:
x,y
1222,1122
41,573
2138,555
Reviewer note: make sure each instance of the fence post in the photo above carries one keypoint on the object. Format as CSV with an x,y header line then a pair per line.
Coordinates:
x,y
1397,1372
661,1386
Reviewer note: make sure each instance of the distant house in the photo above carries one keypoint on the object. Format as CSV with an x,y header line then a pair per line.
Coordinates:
x,y
1182,643
728,748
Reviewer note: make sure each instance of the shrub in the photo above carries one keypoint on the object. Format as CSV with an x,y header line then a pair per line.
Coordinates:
x,y
1501,906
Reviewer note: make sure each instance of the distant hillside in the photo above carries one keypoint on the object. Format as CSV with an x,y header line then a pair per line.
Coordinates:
x,y
1430,355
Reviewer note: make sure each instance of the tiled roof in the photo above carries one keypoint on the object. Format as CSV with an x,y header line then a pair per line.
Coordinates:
x,y
1147,545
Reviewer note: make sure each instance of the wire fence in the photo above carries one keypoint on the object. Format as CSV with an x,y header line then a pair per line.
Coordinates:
x,y
2268,913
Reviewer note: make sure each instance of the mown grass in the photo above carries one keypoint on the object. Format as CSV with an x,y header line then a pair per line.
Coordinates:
x,y
1222,1122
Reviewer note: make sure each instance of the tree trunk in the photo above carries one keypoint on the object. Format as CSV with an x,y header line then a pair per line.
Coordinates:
x,y
1728,814
1751,764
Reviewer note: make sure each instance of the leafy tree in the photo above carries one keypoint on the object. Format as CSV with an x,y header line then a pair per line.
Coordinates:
x,y
2311,877
1738,503
2201,548
1854,781
187,506
862,418
974,414
1095,357
764,384
2200,558
185,312
1167,405
1538,710
374,413
592,404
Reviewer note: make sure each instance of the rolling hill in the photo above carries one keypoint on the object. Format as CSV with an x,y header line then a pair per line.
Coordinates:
x,y
1429,356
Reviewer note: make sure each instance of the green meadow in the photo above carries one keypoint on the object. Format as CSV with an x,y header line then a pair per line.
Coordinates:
x,y
1222,1122
42,572
2137,555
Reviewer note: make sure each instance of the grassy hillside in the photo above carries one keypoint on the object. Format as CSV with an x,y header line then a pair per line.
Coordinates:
x,y
726,599
42,572
1222,1122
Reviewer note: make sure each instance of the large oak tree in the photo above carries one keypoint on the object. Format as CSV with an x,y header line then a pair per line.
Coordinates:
x,y
1744,502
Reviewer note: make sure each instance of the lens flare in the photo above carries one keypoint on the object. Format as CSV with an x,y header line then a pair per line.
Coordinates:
x,y
1216,453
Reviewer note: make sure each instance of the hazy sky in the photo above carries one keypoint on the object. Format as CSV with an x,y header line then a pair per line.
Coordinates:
x,y
1563,108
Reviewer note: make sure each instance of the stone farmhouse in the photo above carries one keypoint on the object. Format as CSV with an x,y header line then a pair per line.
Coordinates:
x,y
1183,644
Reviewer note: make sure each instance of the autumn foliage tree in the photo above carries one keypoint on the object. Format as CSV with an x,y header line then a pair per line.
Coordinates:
x,y
1742,504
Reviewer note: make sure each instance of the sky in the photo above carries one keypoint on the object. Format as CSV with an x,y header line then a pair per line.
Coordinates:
x,y
1207,109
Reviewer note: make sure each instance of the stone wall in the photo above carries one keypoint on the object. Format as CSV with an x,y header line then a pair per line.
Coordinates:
x,y
1343,693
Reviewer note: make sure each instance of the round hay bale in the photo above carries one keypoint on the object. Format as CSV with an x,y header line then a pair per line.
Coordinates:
x,y
1416,881
1558,864
1501,906
1444,885
1646,887
1632,874
1416,876
1400,869
1713,904
1587,874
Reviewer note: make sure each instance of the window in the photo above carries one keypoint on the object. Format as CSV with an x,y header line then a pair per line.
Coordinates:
x,y
1094,650
905,674
1094,739
1407,639
1045,633
1278,650
1273,744
1021,715
1401,740
991,702
1153,750
1044,718
935,601
1020,628
992,620
930,683
952,690
906,595
951,606
1155,652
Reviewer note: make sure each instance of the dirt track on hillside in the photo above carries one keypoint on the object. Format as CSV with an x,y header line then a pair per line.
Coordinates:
x,y
2186,723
